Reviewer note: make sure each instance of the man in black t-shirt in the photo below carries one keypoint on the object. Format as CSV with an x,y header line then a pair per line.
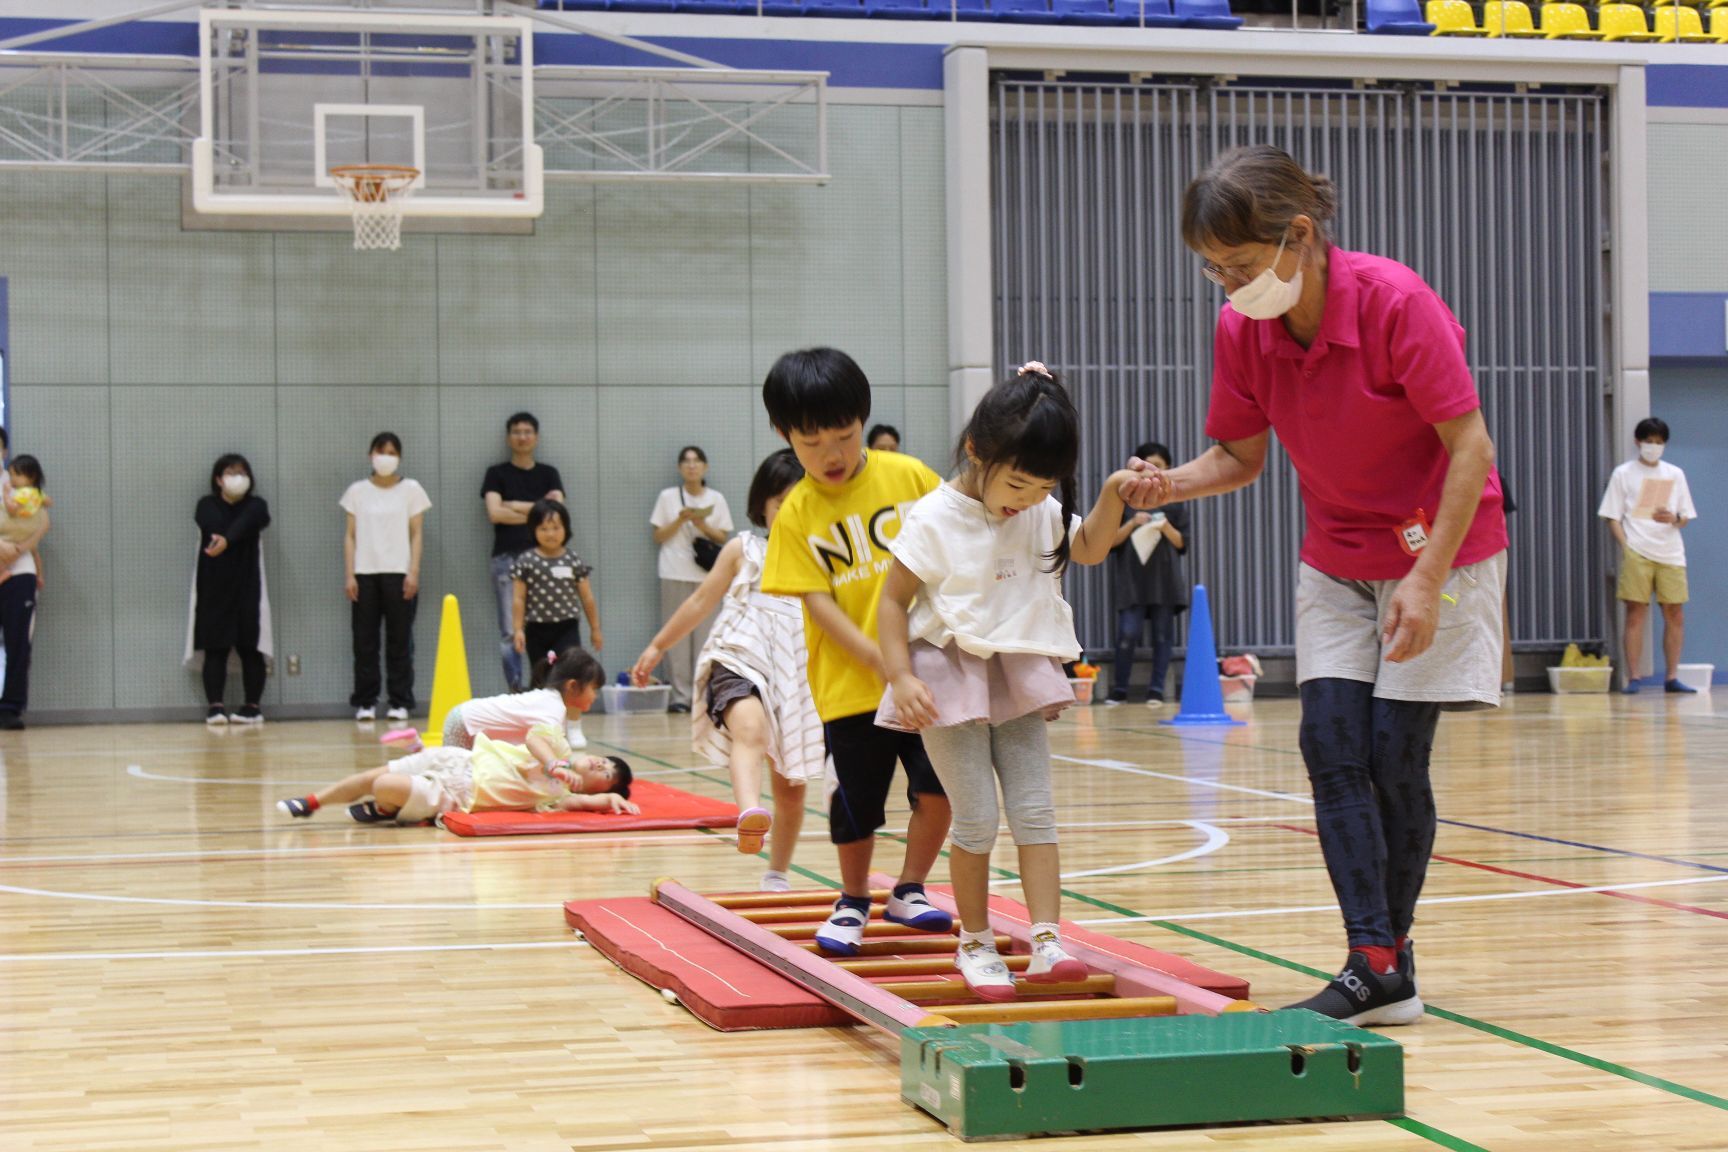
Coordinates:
x,y
510,490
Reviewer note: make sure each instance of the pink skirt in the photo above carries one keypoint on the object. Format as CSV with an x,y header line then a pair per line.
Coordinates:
x,y
971,689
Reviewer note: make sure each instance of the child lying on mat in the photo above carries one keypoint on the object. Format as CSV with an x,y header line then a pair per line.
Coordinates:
x,y
541,776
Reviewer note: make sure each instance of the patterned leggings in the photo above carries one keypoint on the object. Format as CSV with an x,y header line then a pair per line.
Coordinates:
x,y
1368,765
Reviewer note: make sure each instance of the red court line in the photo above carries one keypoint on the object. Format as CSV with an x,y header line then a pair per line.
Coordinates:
x,y
1632,896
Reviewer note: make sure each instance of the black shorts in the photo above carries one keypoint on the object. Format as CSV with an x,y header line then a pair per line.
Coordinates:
x,y
726,688
550,636
864,757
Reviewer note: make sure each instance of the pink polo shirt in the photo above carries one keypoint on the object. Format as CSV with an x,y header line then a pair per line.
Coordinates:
x,y
1355,412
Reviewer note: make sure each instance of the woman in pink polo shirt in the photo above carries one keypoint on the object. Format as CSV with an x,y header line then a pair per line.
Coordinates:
x,y
1359,367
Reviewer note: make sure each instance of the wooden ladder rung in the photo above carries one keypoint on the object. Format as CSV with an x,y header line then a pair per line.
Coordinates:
x,y
825,897
1113,1008
905,946
925,991
919,966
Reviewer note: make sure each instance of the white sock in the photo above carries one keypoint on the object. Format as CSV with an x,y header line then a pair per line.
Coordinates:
x,y
1046,927
984,937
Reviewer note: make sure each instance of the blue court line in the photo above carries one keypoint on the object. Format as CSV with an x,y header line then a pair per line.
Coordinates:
x,y
1592,847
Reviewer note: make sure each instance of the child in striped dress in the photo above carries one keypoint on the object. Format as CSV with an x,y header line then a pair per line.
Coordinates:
x,y
751,688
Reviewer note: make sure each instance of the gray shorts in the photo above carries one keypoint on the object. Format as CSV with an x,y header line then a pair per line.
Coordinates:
x,y
1338,636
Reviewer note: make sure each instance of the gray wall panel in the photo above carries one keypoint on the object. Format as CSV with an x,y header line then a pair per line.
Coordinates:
x,y
54,250
347,317
159,276
73,664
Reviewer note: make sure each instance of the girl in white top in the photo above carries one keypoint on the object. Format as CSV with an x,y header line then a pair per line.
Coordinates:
x,y
974,631
752,686
683,514
381,566
564,689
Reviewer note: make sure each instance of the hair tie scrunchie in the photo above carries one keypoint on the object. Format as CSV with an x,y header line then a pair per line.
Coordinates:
x,y
551,658
1034,368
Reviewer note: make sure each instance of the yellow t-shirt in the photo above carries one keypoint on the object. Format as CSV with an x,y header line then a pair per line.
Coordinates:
x,y
835,538
507,777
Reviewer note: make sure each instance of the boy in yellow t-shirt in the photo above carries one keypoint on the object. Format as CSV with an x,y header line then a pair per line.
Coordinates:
x,y
829,546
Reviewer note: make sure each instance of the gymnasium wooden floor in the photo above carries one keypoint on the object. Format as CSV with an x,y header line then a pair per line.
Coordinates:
x,y
181,968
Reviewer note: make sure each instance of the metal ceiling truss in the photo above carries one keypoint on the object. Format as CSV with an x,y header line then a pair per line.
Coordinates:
x,y
698,122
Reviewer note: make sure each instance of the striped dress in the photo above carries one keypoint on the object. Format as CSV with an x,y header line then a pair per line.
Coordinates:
x,y
761,638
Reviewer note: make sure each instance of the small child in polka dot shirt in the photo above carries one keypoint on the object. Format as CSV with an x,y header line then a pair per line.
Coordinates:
x,y
551,586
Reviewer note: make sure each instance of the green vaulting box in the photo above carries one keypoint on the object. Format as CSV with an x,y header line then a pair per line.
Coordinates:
x,y
996,1080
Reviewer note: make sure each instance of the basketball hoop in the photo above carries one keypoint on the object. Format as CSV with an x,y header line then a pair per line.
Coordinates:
x,y
376,193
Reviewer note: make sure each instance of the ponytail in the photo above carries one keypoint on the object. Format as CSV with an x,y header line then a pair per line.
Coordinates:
x,y
554,670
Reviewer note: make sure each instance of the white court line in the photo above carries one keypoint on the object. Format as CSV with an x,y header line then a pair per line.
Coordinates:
x,y
1529,894
138,771
102,897
1123,766
244,953
1216,838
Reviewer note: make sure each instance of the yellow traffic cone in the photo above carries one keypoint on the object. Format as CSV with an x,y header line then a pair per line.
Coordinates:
x,y
450,685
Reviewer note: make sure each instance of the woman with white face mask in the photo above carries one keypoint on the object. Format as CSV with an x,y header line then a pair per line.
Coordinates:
x,y
381,566
1359,367
230,613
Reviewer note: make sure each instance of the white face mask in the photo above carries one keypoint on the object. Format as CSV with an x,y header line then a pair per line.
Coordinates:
x,y
1266,297
1650,451
385,464
236,485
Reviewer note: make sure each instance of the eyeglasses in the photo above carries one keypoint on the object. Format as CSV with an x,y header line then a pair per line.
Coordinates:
x,y
1224,277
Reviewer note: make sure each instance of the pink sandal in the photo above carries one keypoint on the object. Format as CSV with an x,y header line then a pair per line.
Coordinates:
x,y
753,825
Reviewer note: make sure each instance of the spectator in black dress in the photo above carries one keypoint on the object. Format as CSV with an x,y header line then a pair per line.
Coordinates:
x,y
511,490
1152,590
20,588
229,611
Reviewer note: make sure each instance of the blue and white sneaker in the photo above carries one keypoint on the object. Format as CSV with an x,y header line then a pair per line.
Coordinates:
x,y
843,932
915,911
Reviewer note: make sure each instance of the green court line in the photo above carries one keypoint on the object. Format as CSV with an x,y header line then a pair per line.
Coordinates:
x,y
1495,1030
1429,1132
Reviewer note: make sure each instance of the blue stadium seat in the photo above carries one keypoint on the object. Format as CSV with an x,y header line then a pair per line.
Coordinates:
x,y
716,7
904,10
1024,11
1208,14
777,8
835,9
1094,12
639,5
1158,14
1397,18
964,9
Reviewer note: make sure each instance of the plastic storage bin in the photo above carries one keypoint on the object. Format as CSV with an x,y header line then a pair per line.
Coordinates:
x,y
1568,681
1237,689
1083,688
617,699
1697,676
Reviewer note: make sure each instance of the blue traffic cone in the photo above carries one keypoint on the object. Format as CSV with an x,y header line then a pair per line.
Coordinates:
x,y
1202,698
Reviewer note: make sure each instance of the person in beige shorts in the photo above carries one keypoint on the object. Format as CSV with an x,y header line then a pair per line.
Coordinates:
x,y
1646,505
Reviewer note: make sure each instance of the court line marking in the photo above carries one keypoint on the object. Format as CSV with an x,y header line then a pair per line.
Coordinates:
x,y
1426,901
314,905
139,772
1216,838
238,953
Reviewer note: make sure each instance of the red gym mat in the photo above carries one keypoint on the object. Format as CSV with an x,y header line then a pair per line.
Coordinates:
x,y
662,807
721,986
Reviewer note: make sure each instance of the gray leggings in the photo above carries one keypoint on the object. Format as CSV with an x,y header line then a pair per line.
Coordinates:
x,y
969,758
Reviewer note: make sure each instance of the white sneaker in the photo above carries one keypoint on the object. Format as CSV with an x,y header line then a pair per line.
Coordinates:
x,y
394,714
1051,963
773,881
365,715
573,733
915,911
843,932
982,968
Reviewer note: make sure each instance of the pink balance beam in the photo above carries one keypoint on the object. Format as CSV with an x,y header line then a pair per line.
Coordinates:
x,y
1133,977
851,994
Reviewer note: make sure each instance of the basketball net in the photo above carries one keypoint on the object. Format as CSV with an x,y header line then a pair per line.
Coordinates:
x,y
377,194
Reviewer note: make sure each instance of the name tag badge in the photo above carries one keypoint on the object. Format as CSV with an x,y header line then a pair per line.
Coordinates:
x,y
1413,533
562,572
1006,569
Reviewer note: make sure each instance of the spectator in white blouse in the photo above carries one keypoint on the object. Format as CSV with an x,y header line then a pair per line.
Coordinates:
x,y
691,522
381,565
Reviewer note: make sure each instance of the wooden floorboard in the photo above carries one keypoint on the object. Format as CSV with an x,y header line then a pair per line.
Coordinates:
x,y
182,968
